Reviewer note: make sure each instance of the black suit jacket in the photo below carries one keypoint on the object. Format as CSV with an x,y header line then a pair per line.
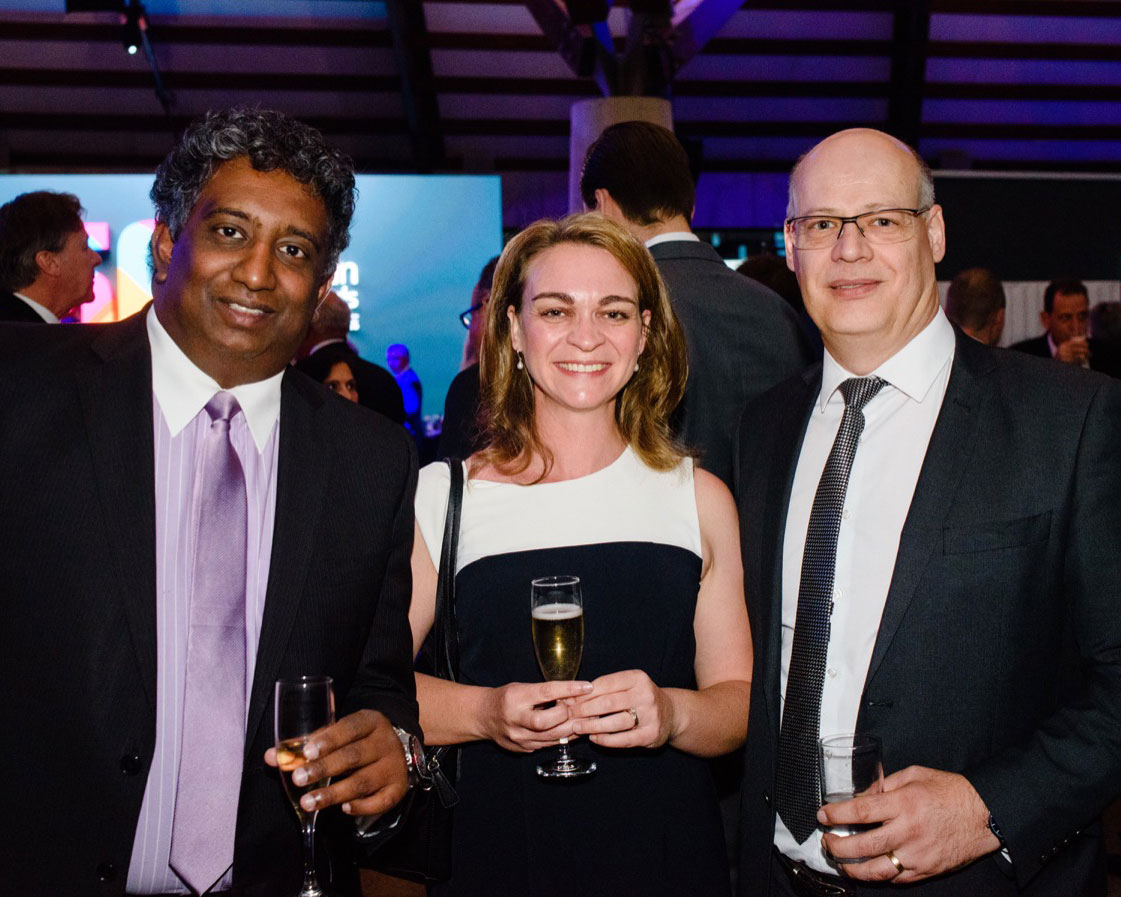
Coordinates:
x,y
378,390
999,651
1104,356
459,435
78,644
743,339
15,310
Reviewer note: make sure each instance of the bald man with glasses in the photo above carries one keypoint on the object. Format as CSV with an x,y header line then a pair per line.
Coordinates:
x,y
932,555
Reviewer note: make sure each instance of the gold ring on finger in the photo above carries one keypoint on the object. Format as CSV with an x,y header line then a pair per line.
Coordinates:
x,y
634,716
899,867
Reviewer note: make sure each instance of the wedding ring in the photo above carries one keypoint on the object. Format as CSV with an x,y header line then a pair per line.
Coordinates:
x,y
634,716
899,868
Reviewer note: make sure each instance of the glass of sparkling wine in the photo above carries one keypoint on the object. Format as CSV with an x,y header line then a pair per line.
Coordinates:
x,y
851,765
557,610
303,706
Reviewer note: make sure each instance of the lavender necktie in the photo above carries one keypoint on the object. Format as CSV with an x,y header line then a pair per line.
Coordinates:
x,y
206,796
798,789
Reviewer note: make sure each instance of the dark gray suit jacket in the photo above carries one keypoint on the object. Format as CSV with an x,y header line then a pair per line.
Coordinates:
x,y
743,339
1104,356
78,573
999,651
15,310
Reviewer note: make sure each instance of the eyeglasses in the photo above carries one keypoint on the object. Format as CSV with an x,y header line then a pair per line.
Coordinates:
x,y
881,226
465,316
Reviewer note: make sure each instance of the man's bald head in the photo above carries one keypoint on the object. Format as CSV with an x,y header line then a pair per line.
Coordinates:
x,y
869,291
924,176
332,317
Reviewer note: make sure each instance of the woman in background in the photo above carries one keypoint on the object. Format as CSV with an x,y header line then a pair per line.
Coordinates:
x,y
333,366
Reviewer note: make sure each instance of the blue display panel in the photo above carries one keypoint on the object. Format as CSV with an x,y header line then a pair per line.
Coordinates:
x,y
417,244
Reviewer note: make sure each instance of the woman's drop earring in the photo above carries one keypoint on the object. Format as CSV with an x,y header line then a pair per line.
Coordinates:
x,y
521,365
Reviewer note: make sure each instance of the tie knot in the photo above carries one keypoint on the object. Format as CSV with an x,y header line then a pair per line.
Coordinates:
x,y
222,407
858,391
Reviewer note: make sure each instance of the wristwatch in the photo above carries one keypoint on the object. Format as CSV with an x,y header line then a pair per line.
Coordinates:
x,y
415,764
995,829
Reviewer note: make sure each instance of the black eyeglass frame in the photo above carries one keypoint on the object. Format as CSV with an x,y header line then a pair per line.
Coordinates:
x,y
790,222
465,316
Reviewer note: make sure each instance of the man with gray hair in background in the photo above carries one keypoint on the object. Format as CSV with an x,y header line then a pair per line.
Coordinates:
x,y
46,265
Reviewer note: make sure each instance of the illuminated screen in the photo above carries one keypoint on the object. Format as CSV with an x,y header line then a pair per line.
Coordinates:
x,y
417,244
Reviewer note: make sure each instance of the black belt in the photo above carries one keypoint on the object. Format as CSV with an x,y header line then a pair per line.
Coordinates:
x,y
807,882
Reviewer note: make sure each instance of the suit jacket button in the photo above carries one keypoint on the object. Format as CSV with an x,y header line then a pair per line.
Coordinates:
x,y
767,798
106,872
130,764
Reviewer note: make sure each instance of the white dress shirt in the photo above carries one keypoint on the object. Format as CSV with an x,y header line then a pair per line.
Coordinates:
x,y
669,236
180,392
898,424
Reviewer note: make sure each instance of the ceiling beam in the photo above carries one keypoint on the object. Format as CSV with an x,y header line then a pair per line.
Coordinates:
x,y
659,40
588,50
911,34
699,26
418,84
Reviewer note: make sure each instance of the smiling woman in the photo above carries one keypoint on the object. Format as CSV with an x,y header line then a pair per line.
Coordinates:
x,y
582,363
601,288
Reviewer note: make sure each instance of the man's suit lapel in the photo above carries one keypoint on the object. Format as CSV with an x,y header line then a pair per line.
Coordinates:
x,y
116,398
300,486
789,431
947,457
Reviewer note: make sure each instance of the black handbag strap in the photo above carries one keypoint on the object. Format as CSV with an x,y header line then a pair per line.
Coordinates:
x,y
445,635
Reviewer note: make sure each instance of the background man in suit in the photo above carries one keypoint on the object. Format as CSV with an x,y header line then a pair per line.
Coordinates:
x,y
743,338
46,265
110,437
954,593
975,302
1066,321
377,389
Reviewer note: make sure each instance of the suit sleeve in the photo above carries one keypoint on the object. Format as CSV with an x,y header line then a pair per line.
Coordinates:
x,y
385,681
1045,790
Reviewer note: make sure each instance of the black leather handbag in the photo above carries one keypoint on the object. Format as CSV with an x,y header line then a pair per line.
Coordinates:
x,y
417,845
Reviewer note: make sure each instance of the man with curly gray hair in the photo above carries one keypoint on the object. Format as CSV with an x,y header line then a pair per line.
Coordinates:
x,y
214,491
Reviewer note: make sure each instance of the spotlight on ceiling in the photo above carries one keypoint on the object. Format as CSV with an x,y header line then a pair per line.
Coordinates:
x,y
135,21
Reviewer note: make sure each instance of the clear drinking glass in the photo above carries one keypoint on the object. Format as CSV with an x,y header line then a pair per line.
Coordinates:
x,y
557,613
303,706
851,765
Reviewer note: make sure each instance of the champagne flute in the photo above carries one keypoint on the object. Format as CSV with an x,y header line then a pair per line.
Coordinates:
x,y
557,617
303,706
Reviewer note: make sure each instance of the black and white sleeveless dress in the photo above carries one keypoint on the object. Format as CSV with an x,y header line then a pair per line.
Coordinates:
x,y
646,823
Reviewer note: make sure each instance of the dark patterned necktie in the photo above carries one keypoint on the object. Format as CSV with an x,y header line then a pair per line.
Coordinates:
x,y
798,789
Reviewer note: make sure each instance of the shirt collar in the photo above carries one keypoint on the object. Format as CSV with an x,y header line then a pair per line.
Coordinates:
x,y
673,235
182,389
45,313
912,370
326,342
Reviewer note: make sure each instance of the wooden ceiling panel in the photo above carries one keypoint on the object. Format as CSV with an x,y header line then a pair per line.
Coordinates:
x,y
767,109
825,69
512,64
1033,80
753,22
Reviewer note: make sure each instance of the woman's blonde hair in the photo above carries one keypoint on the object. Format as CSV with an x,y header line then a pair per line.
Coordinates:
x,y
644,404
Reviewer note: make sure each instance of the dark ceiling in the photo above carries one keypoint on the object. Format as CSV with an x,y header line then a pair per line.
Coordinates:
x,y
473,86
